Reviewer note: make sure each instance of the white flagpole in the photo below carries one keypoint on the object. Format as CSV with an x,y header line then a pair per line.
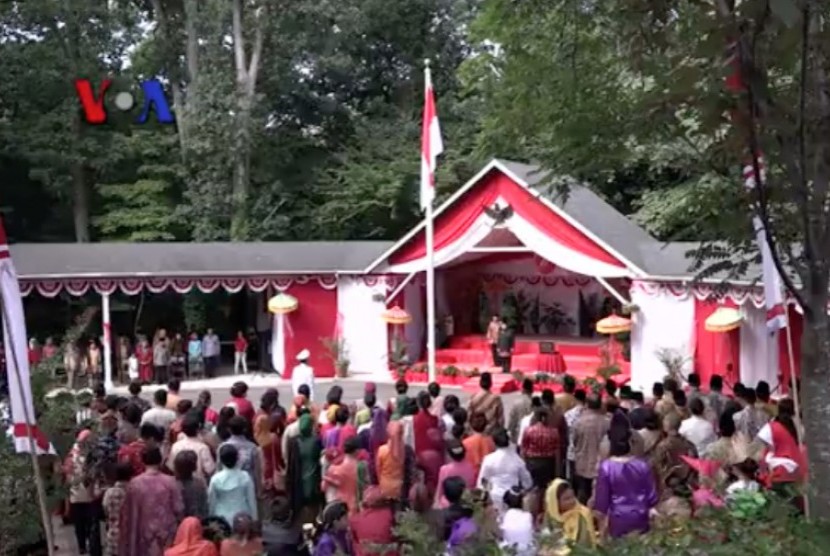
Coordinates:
x,y
431,347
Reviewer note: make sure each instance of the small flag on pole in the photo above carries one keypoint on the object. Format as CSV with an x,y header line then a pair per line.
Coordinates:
x,y
431,144
17,359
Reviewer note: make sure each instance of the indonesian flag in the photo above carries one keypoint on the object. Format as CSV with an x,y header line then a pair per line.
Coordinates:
x,y
773,289
431,144
17,358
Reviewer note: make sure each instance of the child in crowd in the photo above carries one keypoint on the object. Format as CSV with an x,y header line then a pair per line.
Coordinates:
x,y
517,525
746,473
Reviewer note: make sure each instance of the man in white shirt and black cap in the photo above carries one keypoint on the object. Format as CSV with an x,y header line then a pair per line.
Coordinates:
x,y
303,373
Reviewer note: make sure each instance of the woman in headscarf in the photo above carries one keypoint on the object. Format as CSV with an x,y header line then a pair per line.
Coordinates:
x,y
377,438
625,486
303,474
269,425
363,422
393,467
373,525
190,542
565,511
333,403
332,534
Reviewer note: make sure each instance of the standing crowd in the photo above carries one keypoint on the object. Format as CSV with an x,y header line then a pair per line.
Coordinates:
x,y
179,477
149,360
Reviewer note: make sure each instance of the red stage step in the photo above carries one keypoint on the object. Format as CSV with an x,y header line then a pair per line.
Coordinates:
x,y
473,352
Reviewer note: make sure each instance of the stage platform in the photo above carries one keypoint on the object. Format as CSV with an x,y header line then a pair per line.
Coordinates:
x,y
473,351
579,357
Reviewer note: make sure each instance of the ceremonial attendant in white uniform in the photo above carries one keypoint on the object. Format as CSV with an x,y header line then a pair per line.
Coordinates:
x,y
303,373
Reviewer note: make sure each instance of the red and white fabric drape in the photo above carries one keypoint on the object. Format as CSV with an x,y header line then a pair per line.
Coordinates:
x,y
543,230
17,358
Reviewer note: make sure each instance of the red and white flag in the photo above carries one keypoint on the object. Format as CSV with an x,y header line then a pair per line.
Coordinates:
x,y
17,357
431,143
773,289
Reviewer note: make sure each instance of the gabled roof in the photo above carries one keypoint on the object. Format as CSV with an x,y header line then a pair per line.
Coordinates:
x,y
609,225
92,260
582,207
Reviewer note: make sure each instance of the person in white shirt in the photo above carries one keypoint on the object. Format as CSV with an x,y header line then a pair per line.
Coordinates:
x,y
159,415
502,470
745,472
517,525
191,426
303,373
697,429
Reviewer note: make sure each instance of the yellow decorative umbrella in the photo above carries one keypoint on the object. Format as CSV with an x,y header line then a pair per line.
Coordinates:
x,y
724,319
396,315
282,303
613,324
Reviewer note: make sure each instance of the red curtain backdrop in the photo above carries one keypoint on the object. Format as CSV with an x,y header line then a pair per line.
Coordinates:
x,y
457,219
714,351
796,321
313,320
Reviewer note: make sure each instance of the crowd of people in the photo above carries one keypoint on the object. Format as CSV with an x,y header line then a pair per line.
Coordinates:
x,y
150,360
178,477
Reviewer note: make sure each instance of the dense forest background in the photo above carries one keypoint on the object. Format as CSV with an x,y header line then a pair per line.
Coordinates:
x,y
301,120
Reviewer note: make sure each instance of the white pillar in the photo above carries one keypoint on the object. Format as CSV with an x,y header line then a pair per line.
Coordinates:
x,y
430,294
105,313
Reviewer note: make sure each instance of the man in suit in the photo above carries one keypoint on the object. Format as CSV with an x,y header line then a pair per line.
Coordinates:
x,y
505,343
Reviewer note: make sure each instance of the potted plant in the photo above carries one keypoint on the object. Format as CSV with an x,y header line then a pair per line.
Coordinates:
x,y
451,373
337,352
674,361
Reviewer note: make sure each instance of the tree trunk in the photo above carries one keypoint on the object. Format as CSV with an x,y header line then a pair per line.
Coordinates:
x,y
171,55
80,202
241,174
815,401
246,76
80,190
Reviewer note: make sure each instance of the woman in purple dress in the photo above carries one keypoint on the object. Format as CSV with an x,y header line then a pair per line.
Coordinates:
x,y
625,486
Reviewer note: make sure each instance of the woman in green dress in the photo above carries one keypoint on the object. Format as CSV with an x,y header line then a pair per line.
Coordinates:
x,y
304,474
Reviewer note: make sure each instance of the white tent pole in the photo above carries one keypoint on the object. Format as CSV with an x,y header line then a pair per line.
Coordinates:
x,y
430,293
105,313
610,289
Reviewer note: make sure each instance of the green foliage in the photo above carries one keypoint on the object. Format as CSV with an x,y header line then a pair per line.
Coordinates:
x,y
195,310
142,209
772,530
20,522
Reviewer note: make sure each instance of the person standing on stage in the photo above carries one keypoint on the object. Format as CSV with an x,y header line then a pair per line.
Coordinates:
x,y
493,330
505,344
211,350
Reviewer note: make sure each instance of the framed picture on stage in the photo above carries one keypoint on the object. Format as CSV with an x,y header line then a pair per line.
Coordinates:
x,y
547,347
